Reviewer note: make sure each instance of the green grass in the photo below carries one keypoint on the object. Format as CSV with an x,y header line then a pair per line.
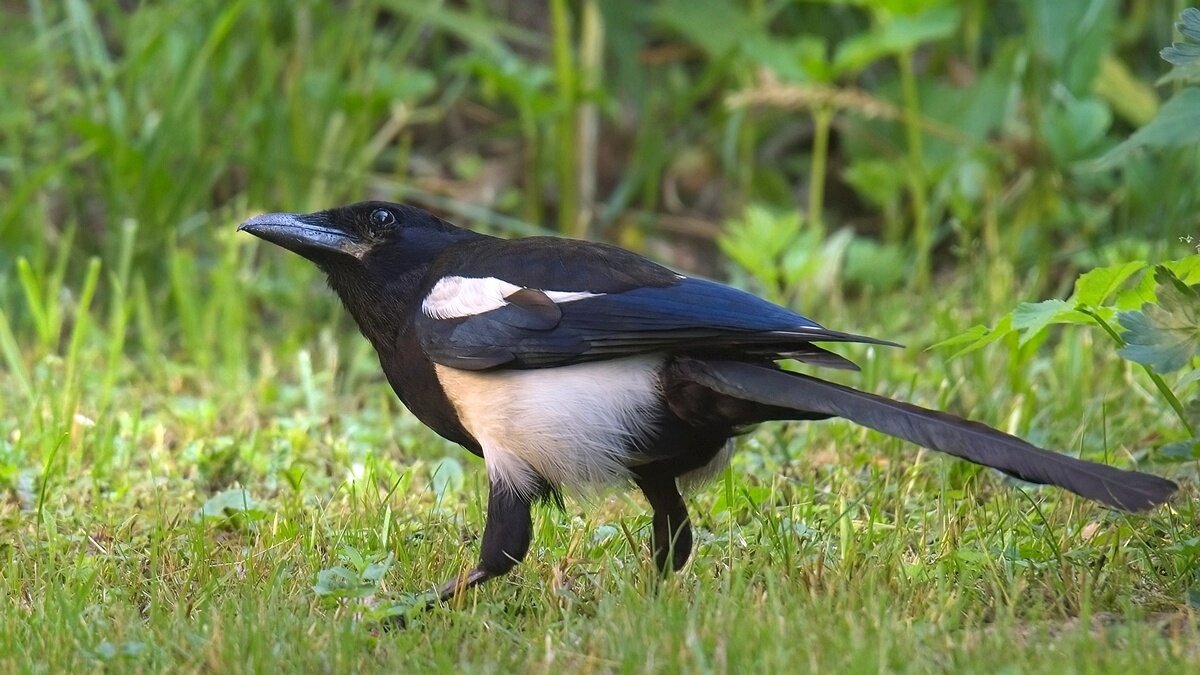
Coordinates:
x,y
202,468
826,547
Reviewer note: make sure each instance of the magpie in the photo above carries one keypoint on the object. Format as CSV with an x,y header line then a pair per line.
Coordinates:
x,y
568,364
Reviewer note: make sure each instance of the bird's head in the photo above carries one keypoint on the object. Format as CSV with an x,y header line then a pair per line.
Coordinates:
x,y
359,236
374,254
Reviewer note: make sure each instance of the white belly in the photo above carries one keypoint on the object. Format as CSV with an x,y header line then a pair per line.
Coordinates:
x,y
570,426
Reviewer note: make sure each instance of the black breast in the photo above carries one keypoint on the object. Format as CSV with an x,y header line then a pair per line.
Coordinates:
x,y
414,380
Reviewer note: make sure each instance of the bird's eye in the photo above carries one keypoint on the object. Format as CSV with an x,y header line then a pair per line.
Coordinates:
x,y
381,218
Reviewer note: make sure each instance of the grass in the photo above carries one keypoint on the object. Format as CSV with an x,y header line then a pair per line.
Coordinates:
x,y
826,547
202,468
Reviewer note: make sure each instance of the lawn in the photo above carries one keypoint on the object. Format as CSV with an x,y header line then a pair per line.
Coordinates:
x,y
203,469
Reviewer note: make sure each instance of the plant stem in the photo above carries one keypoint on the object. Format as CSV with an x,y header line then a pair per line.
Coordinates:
x,y
568,90
532,211
822,121
591,63
1159,383
923,237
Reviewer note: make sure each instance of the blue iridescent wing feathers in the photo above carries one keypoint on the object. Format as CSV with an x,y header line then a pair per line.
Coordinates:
x,y
690,315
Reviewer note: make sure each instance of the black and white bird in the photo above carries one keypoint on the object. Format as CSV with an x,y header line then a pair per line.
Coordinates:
x,y
570,365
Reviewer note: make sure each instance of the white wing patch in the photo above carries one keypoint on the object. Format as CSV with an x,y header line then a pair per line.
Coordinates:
x,y
459,297
455,297
559,297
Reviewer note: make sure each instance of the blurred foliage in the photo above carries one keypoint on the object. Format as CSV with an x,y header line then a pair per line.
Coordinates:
x,y
829,150
1025,130
1158,308
201,468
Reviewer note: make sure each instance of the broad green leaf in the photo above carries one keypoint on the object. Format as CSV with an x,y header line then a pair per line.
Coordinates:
x,y
798,60
875,264
228,503
759,240
1140,294
898,35
1191,411
375,571
1189,23
1176,297
1181,53
981,337
1177,125
1164,336
969,336
1074,126
716,26
876,180
1185,53
1180,451
1093,287
353,557
1186,269
1031,317
340,582
1072,37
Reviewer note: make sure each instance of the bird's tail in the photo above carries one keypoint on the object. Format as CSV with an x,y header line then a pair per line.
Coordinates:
x,y
975,442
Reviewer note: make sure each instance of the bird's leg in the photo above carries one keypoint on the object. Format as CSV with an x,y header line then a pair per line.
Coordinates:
x,y
506,537
672,538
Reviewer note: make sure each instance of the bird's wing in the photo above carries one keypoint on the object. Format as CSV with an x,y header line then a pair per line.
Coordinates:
x,y
584,312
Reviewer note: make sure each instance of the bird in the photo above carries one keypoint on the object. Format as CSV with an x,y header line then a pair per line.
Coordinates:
x,y
569,365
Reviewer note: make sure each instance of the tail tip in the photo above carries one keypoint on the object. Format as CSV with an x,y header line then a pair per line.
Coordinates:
x,y
1145,494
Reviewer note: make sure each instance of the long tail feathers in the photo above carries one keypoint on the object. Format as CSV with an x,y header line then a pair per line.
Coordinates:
x,y
975,442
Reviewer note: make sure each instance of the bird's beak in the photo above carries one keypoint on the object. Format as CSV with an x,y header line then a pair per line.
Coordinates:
x,y
308,235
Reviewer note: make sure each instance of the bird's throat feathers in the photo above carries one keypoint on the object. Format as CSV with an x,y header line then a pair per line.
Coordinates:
x,y
381,289
378,304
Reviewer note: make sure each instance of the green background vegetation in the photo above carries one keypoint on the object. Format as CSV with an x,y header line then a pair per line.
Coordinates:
x,y
201,467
